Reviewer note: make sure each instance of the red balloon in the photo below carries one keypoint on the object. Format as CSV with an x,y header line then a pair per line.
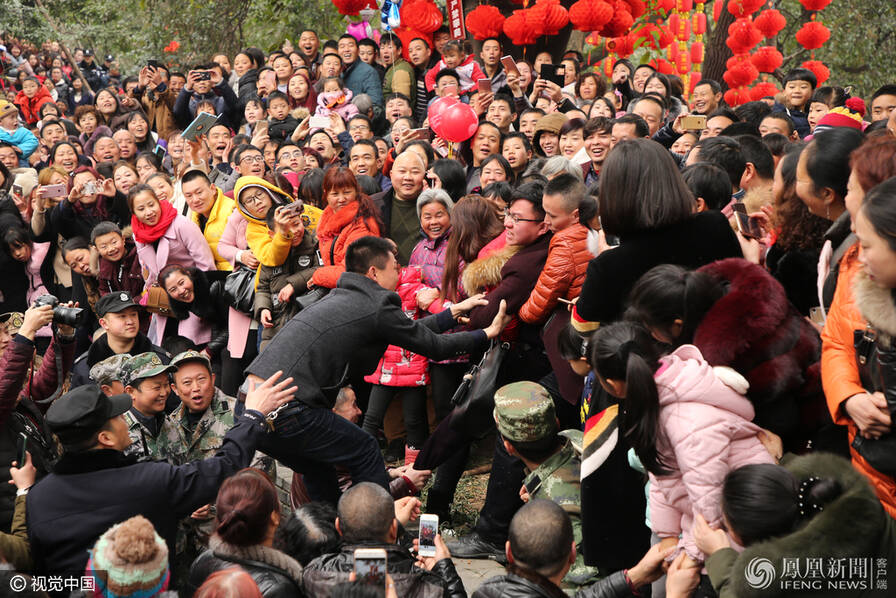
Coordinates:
x,y
436,112
459,123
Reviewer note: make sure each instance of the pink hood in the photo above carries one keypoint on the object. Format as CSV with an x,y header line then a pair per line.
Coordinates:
x,y
705,432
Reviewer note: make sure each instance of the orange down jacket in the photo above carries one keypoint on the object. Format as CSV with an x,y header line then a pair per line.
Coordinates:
x,y
840,373
562,276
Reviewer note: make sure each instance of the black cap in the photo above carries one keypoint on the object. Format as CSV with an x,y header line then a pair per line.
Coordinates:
x,y
88,52
114,302
79,414
109,58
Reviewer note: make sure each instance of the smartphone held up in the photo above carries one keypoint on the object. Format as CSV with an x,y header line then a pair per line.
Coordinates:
x,y
429,527
370,566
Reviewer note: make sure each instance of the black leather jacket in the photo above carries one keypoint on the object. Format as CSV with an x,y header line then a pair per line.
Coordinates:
x,y
410,581
272,581
520,583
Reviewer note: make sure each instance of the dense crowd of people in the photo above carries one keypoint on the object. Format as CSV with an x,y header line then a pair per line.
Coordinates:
x,y
676,319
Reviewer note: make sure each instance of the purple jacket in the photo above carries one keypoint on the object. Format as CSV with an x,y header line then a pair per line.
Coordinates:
x,y
706,430
429,256
183,243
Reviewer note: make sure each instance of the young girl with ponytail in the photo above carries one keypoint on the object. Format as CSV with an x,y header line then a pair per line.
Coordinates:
x,y
689,424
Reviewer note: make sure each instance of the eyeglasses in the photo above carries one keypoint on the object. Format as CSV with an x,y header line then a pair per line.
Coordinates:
x,y
354,128
252,159
290,155
258,198
517,219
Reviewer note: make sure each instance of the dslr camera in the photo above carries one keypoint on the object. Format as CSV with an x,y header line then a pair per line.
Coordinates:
x,y
64,315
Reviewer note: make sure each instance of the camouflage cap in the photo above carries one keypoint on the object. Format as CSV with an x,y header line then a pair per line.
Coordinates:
x,y
144,365
190,356
108,370
524,412
14,320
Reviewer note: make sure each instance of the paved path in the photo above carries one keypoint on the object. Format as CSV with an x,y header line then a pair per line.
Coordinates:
x,y
475,571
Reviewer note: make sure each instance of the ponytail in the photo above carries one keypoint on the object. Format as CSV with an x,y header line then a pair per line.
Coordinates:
x,y
762,501
626,351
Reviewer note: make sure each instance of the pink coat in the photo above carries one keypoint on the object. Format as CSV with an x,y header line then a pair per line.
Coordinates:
x,y
232,241
183,244
400,367
705,432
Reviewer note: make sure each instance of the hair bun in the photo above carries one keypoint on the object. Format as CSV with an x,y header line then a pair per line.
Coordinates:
x,y
856,105
815,493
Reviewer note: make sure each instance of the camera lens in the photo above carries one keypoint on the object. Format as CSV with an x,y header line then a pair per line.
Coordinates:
x,y
68,316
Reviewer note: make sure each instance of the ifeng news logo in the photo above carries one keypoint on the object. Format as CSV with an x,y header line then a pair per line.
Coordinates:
x,y
818,574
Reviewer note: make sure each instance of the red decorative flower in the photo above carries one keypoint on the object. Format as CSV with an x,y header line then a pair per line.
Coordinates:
x,y
767,59
741,74
813,35
349,7
522,27
620,23
742,36
736,97
552,16
821,71
636,8
761,90
172,47
485,21
591,15
814,4
622,46
769,22
744,8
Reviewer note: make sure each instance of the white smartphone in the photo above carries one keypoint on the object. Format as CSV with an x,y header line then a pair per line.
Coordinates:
x,y
319,122
370,566
429,527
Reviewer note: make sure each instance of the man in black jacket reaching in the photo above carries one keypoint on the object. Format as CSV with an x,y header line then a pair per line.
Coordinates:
x,y
347,332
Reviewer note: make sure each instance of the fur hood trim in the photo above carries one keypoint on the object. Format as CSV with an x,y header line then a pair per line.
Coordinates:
x,y
852,525
877,306
261,554
485,273
757,197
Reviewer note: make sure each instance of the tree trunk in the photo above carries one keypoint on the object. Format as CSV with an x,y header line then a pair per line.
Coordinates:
x,y
717,53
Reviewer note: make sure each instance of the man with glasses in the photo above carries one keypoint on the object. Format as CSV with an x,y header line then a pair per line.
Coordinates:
x,y
210,210
359,128
289,155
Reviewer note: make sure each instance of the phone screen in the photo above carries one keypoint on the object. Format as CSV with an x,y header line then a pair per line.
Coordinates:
x,y
370,566
509,65
747,226
21,448
429,527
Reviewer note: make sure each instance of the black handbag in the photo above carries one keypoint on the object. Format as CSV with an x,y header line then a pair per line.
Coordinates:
x,y
474,399
239,289
877,370
305,300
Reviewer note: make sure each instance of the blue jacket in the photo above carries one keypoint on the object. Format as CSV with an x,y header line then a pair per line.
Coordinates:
x,y
800,119
360,77
23,139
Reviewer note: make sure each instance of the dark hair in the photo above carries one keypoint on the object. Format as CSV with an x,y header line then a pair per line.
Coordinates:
x,y
723,112
338,177
573,124
798,228
278,95
502,162
827,158
137,189
785,118
541,537
709,182
453,177
574,345
236,154
391,38
311,189
366,252
537,450
366,510
606,101
395,95
74,244
753,112
597,124
713,85
499,189
47,125
150,157
755,153
641,127
446,72
348,36
531,192
569,187
874,161
740,129
725,153
244,506
642,189
368,184
667,293
473,225
878,207
104,228
662,79
308,533
762,500
830,96
517,135
776,143
650,97
801,74
599,81
16,236
626,351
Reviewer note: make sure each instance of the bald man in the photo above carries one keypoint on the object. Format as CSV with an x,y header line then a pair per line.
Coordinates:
x,y
398,205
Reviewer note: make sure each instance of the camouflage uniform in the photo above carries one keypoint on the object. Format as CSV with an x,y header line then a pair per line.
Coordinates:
x,y
108,370
145,445
524,412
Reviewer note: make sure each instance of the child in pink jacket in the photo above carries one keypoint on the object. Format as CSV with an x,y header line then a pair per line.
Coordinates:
x,y
689,423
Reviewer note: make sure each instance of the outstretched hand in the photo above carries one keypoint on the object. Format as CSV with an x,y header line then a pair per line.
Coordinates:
x,y
269,394
462,307
499,323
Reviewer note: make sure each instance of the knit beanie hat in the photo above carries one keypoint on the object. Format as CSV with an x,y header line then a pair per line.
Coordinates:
x,y
130,559
848,115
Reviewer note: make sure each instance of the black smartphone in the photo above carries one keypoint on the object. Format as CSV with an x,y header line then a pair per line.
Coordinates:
x,y
747,226
533,485
159,151
553,73
203,75
154,64
21,448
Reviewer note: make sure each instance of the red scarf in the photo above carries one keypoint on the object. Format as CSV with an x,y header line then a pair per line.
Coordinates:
x,y
146,234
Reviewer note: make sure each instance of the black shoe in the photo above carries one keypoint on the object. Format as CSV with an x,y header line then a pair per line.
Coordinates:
x,y
473,546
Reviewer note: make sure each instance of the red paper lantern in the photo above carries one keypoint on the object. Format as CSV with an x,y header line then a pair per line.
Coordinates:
x,y
761,90
620,22
814,4
552,15
636,8
741,74
698,23
672,52
662,66
694,81
697,52
767,59
591,15
770,22
421,15
813,35
666,6
522,27
623,45
683,64
736,97
742,36
821,71
485,21
407,35
736,59
744,8
717,10
684,5
349,7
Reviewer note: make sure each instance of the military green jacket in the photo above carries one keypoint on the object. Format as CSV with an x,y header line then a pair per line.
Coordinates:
x,y
144,445
558,479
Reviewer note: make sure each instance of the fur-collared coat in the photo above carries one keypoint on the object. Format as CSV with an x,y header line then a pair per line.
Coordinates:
x,y
852,528
756,331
